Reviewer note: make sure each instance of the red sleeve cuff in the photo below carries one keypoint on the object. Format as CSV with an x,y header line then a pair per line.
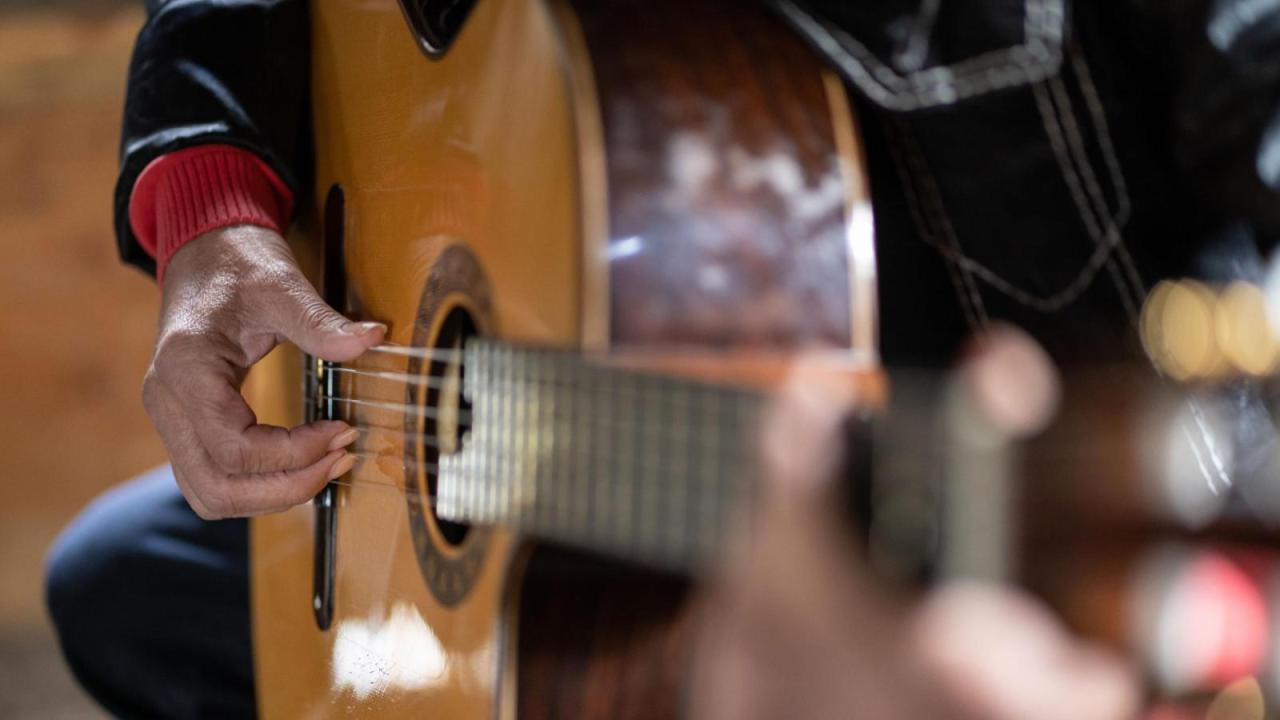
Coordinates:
x,y
184,194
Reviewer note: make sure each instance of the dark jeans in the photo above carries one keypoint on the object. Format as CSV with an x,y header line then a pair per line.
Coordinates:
x,y
151,604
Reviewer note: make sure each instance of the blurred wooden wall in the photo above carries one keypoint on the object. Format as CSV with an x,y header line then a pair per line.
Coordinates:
x,y
75,326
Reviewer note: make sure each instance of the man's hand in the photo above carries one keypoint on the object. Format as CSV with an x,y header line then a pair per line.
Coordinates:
x,y
796,628
229,297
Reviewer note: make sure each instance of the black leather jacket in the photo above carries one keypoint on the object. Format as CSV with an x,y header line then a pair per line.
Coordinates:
x,y
1042,161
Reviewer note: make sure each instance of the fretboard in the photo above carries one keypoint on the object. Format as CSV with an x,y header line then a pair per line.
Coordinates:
x,y
635,465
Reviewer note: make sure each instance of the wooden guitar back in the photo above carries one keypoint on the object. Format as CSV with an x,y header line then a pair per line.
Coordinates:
x,y
629,178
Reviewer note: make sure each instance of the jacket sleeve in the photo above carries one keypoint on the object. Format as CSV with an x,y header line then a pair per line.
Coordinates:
x,y
233,72
1226,108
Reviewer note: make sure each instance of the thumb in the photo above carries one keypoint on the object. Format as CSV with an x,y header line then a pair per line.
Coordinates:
x,y
310,323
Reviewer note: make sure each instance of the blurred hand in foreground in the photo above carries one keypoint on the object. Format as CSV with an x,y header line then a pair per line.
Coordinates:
x,y
795,630
230,296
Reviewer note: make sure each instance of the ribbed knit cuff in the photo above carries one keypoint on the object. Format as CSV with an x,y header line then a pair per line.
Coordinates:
x,y
184,194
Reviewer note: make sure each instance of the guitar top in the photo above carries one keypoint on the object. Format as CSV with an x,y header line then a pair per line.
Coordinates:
x,y
597,231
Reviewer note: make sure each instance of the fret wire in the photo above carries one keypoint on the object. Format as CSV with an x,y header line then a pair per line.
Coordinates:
x,y
506,375
639,471
558,439
622,481
470,465
473,491
680,471
596,491
495,480
653,498
502,479
534,445
586,497
506,482
522,429
497,454
484,488
651,469
555,441
746,416
568,481
709,487
674,520
577,479
477,379
636,456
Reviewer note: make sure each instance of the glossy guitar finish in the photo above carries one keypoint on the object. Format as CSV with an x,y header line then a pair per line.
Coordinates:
x,y
666,185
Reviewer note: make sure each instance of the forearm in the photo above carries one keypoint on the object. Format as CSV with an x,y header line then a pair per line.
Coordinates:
x,y
234,73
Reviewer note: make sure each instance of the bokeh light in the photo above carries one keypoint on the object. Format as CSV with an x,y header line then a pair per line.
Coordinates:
x,y
1193,332
1243,331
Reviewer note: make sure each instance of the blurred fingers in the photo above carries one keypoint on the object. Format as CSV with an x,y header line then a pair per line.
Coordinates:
x,y
1006,657
1012,380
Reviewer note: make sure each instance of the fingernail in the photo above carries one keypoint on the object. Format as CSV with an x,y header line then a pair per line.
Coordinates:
x,y
342,467
343,439
368,327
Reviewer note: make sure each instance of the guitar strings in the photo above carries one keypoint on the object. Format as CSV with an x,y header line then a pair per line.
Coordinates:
x,y
420,353
421,412
423,438
398,377
908,447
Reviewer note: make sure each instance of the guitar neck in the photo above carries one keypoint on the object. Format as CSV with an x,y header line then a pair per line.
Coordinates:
x,y
635,465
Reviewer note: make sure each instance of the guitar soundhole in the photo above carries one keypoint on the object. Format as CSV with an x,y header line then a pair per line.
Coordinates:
x,y
448,417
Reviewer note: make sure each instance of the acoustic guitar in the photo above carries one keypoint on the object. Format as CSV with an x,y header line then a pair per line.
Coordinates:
x,y
599,232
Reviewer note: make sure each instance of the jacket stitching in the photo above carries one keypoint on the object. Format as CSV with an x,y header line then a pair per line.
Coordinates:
x,y
895,133
930,201
1105,228
1037,57
1065,144
1109,155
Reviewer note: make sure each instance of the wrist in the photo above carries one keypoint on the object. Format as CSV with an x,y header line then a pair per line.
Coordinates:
x,y
189,193
242,255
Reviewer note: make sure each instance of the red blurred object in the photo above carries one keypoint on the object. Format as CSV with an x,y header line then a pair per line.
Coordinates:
x,y
1226,620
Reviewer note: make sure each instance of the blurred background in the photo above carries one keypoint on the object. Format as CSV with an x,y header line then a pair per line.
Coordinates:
x,y
78,327
78,331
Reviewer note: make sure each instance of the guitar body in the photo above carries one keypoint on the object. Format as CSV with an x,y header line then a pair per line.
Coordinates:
x,y
642,181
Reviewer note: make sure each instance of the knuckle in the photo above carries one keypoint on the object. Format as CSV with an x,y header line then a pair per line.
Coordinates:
x,y
315,313
204,506
150,390
269,278
231,456
275,451
174,353
296,489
